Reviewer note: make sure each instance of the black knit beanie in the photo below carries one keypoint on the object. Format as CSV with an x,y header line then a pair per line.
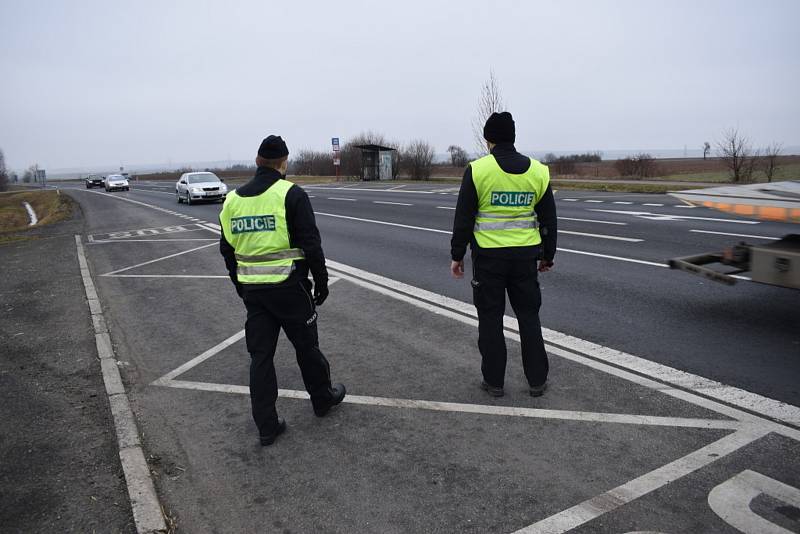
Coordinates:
x,y
273,147
499,128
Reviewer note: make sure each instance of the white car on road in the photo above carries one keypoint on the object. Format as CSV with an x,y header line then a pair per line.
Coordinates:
x,y
195,186
116,181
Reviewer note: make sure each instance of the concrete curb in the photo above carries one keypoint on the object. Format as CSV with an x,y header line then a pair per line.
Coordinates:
x,y
147,514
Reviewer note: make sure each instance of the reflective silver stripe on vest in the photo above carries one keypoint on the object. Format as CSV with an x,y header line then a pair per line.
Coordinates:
x,y
250,270
486,215
505,225
288,254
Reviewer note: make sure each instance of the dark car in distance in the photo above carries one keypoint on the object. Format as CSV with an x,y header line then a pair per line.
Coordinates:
x,y
94,180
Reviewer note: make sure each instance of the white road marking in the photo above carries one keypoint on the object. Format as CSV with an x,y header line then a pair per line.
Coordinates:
x,y
159,259
603,236
31,214
735,235
371,189
391,203
666,217
683,206
609,257
731,501
620,202
101,241
593,508
595,201
445,208
590,221
457,407
655,205
340,198
569,199
311,196
396,187
201,358
144,501
167,275
382,222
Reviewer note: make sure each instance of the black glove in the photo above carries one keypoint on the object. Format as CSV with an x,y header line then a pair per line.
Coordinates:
x,y
320,292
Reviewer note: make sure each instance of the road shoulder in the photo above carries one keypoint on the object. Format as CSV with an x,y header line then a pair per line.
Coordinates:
x,y
61,470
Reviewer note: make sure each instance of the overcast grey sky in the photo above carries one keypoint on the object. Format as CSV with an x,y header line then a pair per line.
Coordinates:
x,y
88,83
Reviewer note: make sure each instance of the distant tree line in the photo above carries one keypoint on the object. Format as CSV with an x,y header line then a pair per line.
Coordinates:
x,y
566,164
640,166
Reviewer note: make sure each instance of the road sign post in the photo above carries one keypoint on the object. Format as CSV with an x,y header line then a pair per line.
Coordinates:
x,y
337,162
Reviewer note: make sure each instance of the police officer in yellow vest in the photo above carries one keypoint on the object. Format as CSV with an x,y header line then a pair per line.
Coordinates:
x,y
270,242
506,212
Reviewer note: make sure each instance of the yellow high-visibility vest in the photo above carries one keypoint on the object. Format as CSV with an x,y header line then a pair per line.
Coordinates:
x,y
506,217
256,229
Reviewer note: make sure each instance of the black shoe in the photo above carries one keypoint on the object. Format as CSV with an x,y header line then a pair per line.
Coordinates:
x,y
337,395
492,390
538,391
269,439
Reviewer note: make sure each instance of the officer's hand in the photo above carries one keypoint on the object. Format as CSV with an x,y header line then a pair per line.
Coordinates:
x,y
545,265
320,293
457,269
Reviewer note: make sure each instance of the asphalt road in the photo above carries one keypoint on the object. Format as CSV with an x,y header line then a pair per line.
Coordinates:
x,y
613,446
747,335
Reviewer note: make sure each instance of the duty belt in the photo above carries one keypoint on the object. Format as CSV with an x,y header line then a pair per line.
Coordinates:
x,y
288,254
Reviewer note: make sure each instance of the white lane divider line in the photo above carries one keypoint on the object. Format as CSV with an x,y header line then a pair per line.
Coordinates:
x,y
621,202
594,201
683,206
569,199
667,217
656,205
602,236
410,227
391,203
341,198
445,208
590,221
610,257
31,214
735,235
144,501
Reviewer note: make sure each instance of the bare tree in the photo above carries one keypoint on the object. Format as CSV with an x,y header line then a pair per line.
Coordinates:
x,y
29,175
3,172
491,101
706,149
458,156
771,154
417,158
735,150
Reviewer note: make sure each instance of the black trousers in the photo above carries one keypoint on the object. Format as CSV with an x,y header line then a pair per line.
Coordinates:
x,y
492,278
269,310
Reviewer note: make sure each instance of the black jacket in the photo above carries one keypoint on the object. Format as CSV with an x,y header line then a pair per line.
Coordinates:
x,y
511,162
303,233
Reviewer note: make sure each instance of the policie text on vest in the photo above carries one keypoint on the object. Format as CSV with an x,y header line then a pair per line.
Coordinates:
x,y
253,223
512,198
